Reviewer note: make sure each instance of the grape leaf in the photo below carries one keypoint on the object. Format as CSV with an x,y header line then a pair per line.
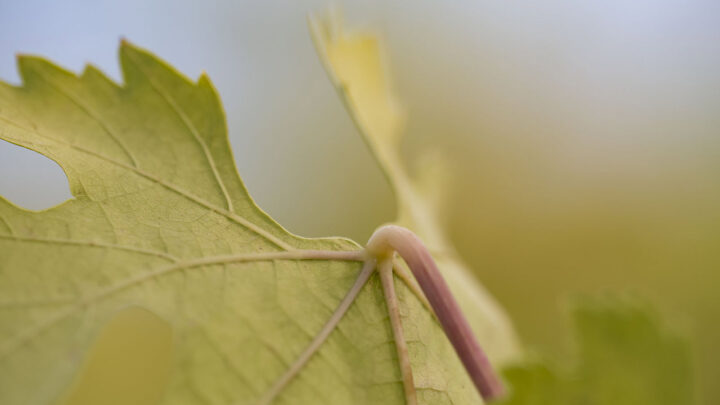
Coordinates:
x,y
624,357
355,66
162,228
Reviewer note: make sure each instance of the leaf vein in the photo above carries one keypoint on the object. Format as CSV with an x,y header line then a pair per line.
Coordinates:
x,y
191,127
30,333
33,239
92,115
7,224
230,215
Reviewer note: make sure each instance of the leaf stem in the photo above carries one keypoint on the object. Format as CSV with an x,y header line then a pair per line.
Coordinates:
x,y
386,277
390,238
403,274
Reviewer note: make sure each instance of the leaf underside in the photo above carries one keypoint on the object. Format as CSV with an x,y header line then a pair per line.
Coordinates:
x,y
156,200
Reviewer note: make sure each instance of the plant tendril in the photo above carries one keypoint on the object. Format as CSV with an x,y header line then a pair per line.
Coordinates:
x,y
392,238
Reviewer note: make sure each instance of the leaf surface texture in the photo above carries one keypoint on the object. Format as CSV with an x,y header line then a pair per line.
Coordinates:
x,y
160,221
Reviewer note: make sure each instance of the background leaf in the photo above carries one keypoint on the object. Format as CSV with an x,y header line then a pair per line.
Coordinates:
x,y
624,356
355,66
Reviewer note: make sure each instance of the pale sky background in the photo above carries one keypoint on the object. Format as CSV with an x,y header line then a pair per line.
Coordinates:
x,y
599,70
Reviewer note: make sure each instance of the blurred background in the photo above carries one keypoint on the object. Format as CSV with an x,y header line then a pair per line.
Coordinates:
x,y
583,135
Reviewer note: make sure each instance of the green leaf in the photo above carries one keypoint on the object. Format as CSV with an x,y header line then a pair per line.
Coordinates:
x,y
624,357
355,65
163,254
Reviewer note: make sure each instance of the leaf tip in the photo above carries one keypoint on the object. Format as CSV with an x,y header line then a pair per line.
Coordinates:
x,y
126,46
29,65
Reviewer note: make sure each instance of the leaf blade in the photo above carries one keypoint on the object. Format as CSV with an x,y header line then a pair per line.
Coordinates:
x,y
144,208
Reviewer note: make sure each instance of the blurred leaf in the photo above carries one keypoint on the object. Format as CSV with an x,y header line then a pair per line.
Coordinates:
x,y
624,357
356,68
